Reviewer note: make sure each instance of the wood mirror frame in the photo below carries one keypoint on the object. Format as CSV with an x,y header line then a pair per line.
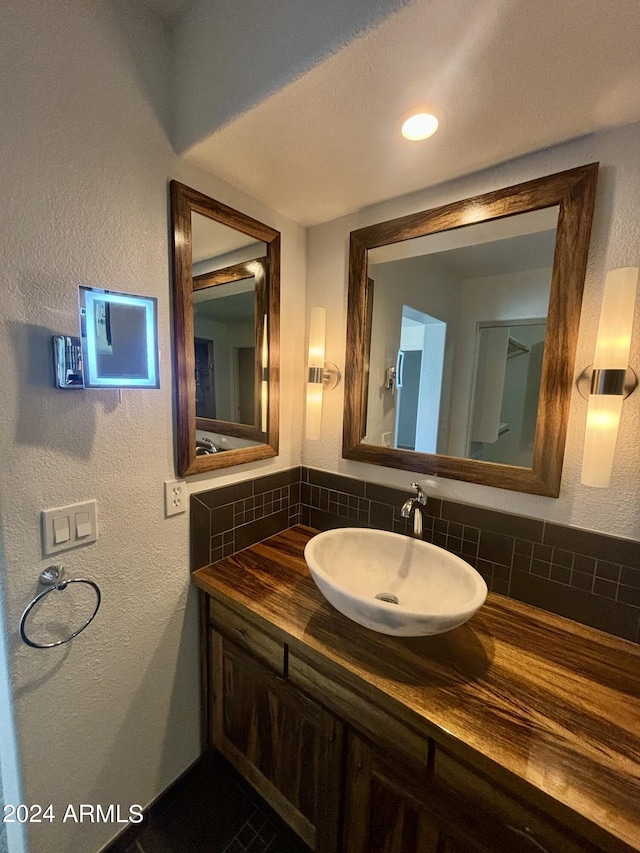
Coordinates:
x,y
184,201
573,192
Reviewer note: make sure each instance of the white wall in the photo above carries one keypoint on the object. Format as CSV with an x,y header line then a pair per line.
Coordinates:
x,y
428,287
520,395
113,716
615,242
511,296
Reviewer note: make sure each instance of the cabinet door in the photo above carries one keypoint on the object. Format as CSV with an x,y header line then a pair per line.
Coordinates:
x,y
516,824
284,744
391,809
381,815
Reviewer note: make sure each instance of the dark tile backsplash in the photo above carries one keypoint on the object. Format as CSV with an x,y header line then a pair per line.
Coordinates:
x,y
580,574
231,518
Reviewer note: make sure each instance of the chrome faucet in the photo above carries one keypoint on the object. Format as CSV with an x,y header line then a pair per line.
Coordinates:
x,y
205,447
415,506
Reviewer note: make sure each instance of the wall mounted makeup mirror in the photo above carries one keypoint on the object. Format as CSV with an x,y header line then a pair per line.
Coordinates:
x,y
461,334
118,343
226,289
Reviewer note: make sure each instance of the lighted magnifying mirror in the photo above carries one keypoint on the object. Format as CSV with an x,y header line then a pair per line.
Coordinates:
x,y
119,339
226,330
461,334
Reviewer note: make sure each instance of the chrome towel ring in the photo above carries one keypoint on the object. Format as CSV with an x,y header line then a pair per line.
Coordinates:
x,y
54,579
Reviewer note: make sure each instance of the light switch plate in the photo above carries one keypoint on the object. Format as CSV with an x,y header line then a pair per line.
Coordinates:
x,y
69,512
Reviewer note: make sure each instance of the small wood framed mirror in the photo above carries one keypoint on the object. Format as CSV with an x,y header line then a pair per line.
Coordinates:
x,y
226,299
462,327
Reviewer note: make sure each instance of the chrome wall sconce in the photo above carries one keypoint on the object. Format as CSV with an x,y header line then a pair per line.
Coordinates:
x,y
609,380
321,375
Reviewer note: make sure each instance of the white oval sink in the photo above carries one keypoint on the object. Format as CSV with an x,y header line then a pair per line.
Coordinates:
x,y
394,584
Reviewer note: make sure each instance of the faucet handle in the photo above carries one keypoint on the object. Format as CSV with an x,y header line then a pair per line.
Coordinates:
x,y
420,494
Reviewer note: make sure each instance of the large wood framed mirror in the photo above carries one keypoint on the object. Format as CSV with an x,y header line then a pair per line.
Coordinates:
x,y
226,298
462,327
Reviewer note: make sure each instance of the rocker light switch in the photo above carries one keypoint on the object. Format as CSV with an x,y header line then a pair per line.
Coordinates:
x,y
83,525
61,532
69,526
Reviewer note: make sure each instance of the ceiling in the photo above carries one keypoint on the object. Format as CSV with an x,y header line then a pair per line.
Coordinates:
x,y
525,253
212,239
506,77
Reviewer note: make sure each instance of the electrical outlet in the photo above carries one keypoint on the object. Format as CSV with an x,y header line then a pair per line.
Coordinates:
x,y
175,497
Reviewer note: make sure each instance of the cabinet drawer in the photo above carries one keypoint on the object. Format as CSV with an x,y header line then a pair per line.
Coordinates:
x,y
359,712
530,830
247,636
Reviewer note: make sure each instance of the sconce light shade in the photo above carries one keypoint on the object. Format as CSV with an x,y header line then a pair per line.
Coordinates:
x,y
616,320
264,387
610,363
315,364
603,419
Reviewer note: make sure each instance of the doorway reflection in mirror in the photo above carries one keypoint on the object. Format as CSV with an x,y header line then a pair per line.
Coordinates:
x,y
224,328
229,272
508,371
436,301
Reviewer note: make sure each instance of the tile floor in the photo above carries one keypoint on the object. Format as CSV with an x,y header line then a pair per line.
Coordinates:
x,y
211,810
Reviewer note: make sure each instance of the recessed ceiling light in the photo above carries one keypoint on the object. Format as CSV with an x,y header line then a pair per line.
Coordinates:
x,y
419,125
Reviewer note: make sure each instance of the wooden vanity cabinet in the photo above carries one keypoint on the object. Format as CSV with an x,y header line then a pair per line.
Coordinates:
x,y
286,745
509,820
390,808
435,794
386,791
490,738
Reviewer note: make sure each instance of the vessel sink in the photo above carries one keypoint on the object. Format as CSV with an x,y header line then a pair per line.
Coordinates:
x,y
394,584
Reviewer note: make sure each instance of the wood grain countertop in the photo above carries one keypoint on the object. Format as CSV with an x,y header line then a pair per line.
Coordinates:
x,y
552,705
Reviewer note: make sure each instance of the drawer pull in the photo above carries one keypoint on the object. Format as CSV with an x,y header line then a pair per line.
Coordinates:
x,y
524,833
241,633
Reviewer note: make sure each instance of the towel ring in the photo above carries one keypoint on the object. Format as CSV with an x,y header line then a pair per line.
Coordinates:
x,y
54,579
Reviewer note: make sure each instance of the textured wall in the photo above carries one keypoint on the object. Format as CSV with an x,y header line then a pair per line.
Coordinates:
x,y
615,242
256,47
113,716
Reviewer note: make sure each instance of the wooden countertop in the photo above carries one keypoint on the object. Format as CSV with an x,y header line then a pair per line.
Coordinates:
x,y
552,702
